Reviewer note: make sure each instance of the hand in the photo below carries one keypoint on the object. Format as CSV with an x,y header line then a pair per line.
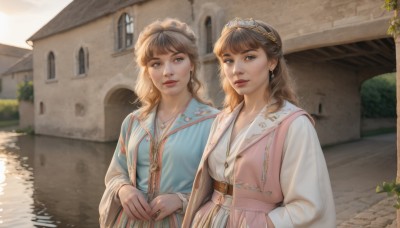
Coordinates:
x,y
164,205
134,204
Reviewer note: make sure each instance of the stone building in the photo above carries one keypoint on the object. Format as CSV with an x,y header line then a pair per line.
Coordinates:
x,y
84,70
10,56
18,73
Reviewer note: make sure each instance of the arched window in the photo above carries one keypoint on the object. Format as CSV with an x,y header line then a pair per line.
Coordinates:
x,y
209,41
41,108
125,31
81,62
51,66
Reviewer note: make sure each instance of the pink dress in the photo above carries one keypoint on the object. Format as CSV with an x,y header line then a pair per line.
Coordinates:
x,y
275,172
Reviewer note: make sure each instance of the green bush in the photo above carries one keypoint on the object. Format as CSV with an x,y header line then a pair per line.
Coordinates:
x,y
25,91
8,109
378,97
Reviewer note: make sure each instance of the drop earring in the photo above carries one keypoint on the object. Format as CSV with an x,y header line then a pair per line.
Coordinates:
x,y
271,75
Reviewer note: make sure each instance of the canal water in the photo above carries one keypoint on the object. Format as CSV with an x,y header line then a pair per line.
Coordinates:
x,y
51,182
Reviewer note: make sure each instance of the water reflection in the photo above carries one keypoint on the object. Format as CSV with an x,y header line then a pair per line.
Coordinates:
x,y
51,182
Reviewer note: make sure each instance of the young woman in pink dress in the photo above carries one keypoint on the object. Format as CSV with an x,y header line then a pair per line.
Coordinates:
x,y
263,165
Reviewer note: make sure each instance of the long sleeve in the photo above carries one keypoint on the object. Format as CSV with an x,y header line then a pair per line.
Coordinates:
x,y
308,199
116,176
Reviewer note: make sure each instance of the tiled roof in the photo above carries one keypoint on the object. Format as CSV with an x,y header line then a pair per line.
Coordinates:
x,y
12,51
80,12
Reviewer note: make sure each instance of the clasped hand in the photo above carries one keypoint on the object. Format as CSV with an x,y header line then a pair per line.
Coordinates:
x,y
136,207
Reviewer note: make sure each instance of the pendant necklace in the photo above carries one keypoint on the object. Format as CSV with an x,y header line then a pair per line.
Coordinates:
x,y
164,124
159,137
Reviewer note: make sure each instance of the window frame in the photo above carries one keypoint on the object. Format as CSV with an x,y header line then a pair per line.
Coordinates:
x,y
81,61
209,44
51,66
125,31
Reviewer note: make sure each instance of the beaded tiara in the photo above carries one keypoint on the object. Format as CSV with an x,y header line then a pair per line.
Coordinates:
x,y
251,24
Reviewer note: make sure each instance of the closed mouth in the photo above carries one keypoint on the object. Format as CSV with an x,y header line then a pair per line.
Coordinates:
x,y
240,81
169,82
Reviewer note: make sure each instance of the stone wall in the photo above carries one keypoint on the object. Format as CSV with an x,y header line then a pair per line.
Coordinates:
x,y
72,105
84,106
331,95
26,114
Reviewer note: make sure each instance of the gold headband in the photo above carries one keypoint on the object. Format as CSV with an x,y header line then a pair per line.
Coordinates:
x,y
251,24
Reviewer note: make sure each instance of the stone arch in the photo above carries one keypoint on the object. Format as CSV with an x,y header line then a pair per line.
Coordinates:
x,y
380,103
329,79
118,103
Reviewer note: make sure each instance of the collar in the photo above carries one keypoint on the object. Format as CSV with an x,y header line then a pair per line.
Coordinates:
x,y
262,125
194,112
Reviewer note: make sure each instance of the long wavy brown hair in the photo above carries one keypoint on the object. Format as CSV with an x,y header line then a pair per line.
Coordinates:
x,y
161,37
236,39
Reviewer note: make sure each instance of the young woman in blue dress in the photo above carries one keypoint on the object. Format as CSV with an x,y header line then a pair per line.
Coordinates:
x,y
151,174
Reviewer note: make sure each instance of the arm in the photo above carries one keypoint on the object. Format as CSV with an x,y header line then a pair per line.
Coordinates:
x,y
308,200
116,177
117,174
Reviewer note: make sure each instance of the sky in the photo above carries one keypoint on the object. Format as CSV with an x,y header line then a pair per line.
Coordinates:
x,y
20,19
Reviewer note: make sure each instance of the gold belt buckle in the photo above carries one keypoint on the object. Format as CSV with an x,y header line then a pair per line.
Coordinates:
x,y
225,187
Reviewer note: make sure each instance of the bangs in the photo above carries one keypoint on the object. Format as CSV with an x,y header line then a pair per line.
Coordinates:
x,y
236,41
163,43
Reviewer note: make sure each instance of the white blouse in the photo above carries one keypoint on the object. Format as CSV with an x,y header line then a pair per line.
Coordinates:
x,y
301,149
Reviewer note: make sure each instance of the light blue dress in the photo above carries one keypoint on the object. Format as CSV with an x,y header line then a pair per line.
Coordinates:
x,y
178,155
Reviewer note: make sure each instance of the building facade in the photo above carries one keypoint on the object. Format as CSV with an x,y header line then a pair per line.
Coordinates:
x,y
18,73
85,87
11,56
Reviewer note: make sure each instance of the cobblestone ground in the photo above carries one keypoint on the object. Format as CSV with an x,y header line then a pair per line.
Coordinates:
x,y
355,170
380,215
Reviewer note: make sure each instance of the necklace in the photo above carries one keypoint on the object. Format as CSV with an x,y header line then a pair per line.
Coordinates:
x,y
159,137
164,124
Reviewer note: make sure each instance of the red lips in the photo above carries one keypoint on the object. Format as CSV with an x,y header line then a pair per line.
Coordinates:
x,y
240,82
170,83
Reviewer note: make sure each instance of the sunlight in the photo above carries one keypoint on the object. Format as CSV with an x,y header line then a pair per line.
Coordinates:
x,y
2,170
3,23
2,174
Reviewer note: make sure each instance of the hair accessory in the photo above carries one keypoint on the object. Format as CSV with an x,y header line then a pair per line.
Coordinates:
x,y
251,24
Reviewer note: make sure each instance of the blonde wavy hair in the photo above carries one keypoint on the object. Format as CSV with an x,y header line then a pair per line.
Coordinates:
x,y
244,34
161,37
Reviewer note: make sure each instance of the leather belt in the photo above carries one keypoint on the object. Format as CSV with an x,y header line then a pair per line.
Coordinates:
x,y
224,188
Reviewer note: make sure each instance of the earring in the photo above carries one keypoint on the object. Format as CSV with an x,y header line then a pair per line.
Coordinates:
x,y
191,76
271,75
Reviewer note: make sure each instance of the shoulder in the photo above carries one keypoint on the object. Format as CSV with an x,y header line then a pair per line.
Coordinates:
x,y
301,122
130,118
203,110
301,130
294,112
